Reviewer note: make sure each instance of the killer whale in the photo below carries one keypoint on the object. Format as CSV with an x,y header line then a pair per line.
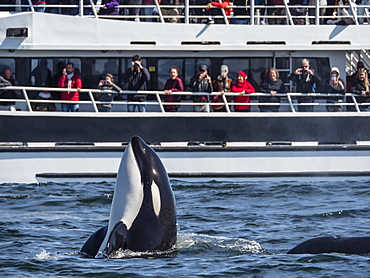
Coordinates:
x,y
345,245
143,210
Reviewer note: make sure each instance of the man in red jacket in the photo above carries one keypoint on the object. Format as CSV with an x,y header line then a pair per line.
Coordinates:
x,y
69,80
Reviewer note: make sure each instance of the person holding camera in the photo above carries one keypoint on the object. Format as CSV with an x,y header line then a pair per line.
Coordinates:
x,y
70,79
201,82
335,85
306,82
136,76
106,83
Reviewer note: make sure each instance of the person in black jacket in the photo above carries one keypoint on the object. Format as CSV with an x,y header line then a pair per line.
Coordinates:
x,y
335,85
271,85
361,88
307,81
137,76
201,82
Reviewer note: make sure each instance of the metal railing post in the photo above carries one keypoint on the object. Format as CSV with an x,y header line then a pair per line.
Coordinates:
x,y
93,102
81,8
31,5
160,102
290,102
27,100
317,12
226,103
159,11
288,14
251,13
186,12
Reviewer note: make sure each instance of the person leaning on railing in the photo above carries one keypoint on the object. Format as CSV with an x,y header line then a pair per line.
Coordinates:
x,y
360,87
174,84
242,87
271,85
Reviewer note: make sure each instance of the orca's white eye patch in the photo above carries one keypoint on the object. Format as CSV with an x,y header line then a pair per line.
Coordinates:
x,y
156,198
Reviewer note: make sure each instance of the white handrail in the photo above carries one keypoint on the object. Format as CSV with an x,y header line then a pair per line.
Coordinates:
x,y
160,103
186,15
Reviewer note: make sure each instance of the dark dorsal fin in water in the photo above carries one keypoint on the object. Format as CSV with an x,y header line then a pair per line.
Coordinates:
x,y
91,246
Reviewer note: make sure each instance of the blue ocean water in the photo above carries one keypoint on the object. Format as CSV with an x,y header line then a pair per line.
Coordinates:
x,y
230,228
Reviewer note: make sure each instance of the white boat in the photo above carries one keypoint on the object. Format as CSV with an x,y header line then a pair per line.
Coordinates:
x,y
39,146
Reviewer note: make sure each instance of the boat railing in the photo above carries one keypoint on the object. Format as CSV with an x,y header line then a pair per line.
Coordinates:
x,y
253,14
156,100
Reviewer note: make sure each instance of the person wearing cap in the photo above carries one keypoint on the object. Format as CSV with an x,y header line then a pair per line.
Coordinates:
x,y
201,82
306,82
335,85
221,84
136,76
243,88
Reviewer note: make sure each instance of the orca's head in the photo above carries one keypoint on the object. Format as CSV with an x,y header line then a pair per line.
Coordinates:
x,y
149,164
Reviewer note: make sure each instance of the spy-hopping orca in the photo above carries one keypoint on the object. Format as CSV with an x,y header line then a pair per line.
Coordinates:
x,y
143,211
345,245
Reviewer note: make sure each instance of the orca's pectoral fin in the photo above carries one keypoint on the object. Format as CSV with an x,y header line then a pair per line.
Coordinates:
x,y
92,245
117,239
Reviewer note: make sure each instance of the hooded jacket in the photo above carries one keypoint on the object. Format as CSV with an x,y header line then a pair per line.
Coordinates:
x,y
241,87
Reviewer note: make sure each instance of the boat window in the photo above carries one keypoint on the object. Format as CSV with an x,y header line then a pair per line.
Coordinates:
x,y
7,63
235,65
253,67
103,66
164,66
41,75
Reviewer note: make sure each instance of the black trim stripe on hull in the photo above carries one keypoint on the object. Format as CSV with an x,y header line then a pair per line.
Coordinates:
x,y
210,175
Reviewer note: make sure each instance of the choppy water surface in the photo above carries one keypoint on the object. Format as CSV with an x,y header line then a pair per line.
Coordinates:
x,y
226,228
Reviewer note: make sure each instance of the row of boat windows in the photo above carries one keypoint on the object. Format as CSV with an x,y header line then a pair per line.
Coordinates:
x,y
91,69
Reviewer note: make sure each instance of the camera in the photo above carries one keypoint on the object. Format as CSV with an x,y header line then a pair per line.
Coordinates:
x,y
303,71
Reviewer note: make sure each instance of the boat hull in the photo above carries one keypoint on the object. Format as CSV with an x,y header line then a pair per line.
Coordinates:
x,y
155,127
21,164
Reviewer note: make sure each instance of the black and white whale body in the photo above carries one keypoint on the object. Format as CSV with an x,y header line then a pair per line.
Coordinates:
x,y
345,245
143,211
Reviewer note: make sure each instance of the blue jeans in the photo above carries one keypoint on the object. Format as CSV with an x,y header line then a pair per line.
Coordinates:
x,y
104,109
239,21
132,107
147,11
70,107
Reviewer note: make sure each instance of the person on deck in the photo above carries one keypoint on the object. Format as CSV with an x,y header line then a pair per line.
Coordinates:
x,y
272,85
243,87
69,80
307,81
174,84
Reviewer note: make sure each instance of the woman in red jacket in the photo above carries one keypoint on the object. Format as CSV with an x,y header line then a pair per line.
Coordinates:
x,y
243,87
